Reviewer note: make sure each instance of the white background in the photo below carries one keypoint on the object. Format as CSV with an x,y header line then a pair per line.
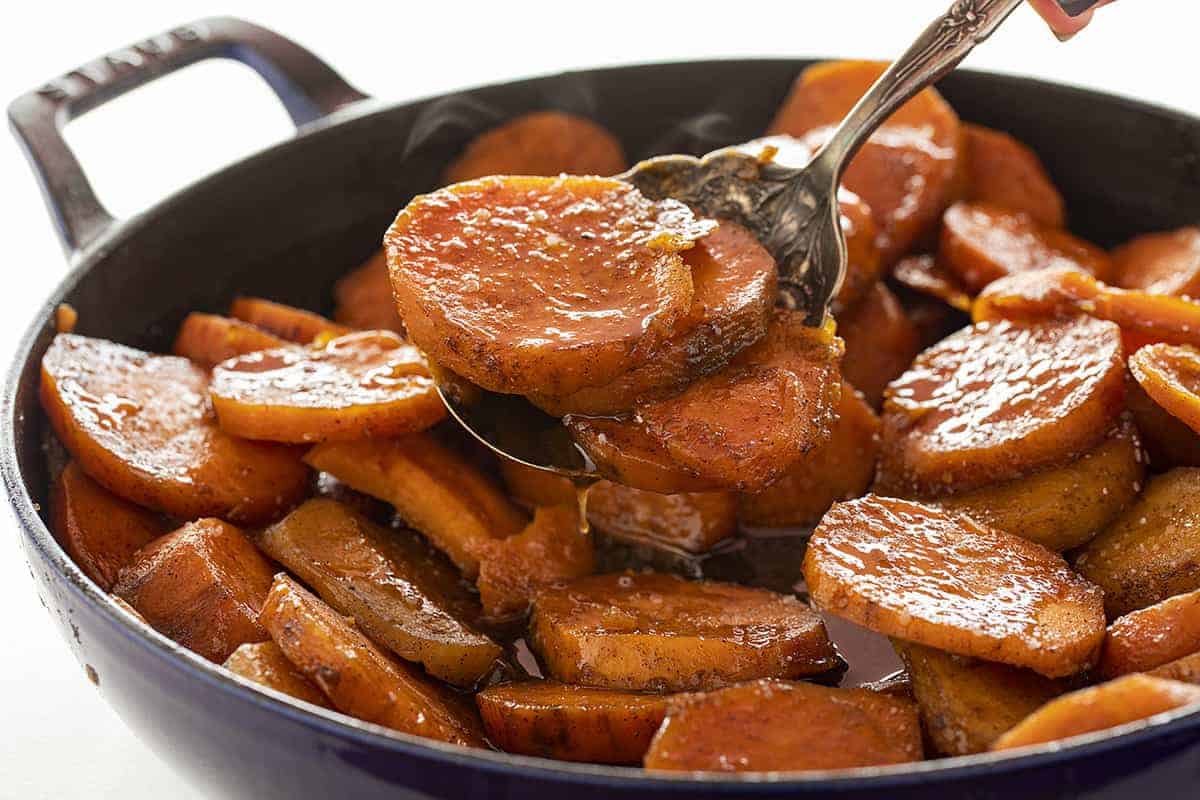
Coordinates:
x,y
57,738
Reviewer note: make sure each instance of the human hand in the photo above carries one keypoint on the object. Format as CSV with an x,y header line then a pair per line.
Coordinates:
x,y
1064,25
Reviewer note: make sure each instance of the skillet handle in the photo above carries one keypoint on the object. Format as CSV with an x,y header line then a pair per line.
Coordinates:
x,y
308,88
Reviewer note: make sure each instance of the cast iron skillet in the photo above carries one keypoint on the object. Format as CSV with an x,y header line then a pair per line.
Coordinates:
x,y
286,222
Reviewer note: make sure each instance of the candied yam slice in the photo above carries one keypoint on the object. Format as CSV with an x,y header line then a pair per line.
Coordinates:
x,y
967,704
209,339
571,723
1098,708
434,489
906,172
781,726
1168,442
881,341
864,262
401,593
1160,263
540,143
265,664
919,573
542,285
1063,507
1150,637
100,531
202,586
924,274
745,426
363,297
287,322
143,427
1152,550
654,632
734,282
359,678
1002,171
358,386
840,469
981,243
1170,375
1186,669
627,454
551,548
1000,400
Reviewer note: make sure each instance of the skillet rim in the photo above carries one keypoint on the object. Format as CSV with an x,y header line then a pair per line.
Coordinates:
x,y
379,738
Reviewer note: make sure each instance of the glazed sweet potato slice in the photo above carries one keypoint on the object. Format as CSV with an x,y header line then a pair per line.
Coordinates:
x,y
734,282
839,469
653,632
1168,442
745,426
571,723
540,143
1099,708
781,726
543,286
1063,507
142,426
967,704
1150,637
881,341
997,401
550,549
1002,171
265,664
401,593
209,339
363,298
1186,669
1152,550
923,273
918,573
627,454
434,489
358,386
359,678
981,243
100,531
202,586
906,172
287,322
1170,375
1160,263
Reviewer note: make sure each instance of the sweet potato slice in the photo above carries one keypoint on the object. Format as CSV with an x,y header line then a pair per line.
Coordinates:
x,y
918,573
1063,507
627,454
264,663
923,273
906,172
209,339
653,632
434,489
734,283
544,286
1186,669
1170,375
142,426
1099,708
540,143
997,401
1160,263
363,297
403,595
1168,442
966,703
1004,172
840,469
287,322
571,723
100,531
881,341
1152,550
359,678
745,426
981,243
202,586
358,386
550,549
770,725
1150,637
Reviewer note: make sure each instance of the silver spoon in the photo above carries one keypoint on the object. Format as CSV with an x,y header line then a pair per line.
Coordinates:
x,y
792,210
